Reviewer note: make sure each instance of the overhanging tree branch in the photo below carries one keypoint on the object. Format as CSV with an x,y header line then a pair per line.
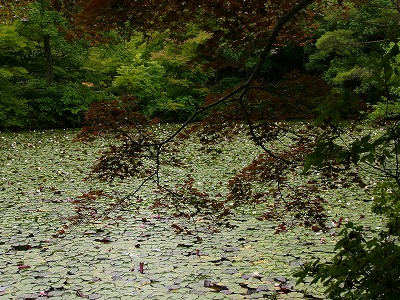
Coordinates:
x,y
148,147
244,88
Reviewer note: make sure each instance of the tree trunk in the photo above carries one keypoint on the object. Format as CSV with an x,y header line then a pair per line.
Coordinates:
x,y
49,60
398,10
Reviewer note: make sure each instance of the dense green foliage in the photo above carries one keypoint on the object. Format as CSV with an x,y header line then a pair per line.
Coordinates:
x,y
363,63
50,74
42,87
53,87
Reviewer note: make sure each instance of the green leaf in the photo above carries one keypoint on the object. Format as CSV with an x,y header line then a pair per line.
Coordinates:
x,y
388,72
314,159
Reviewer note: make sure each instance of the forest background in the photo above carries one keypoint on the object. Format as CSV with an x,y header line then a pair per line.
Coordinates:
x,y
52,70
336,66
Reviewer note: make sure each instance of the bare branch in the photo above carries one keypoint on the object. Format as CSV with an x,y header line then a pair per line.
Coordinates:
x,y
244,88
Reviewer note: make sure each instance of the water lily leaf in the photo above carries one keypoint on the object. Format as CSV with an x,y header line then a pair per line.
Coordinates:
x,y
213,285
231,271
94,296
280,279
262,288
86,277
73,261
173,287
29,297
3,288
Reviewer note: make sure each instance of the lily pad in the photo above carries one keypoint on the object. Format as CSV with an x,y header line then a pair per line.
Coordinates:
x,y
108,267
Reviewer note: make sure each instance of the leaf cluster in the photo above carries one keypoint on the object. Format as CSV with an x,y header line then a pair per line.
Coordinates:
x,y
363,268
240,24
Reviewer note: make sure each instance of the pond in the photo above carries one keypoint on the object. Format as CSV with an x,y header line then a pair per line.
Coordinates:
x,y
136,254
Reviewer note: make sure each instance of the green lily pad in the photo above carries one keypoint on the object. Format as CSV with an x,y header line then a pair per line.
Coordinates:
x,y
76,262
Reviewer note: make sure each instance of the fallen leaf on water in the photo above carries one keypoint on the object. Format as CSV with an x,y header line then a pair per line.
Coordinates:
x,y
22,267
214,285
141,267
21,247
104,240
80,294
286,287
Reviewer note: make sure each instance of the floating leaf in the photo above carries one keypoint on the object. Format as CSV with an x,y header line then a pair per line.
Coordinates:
x,y
81,294
286,287
214,285
3,288
280,279
23,267
105,240
22,247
